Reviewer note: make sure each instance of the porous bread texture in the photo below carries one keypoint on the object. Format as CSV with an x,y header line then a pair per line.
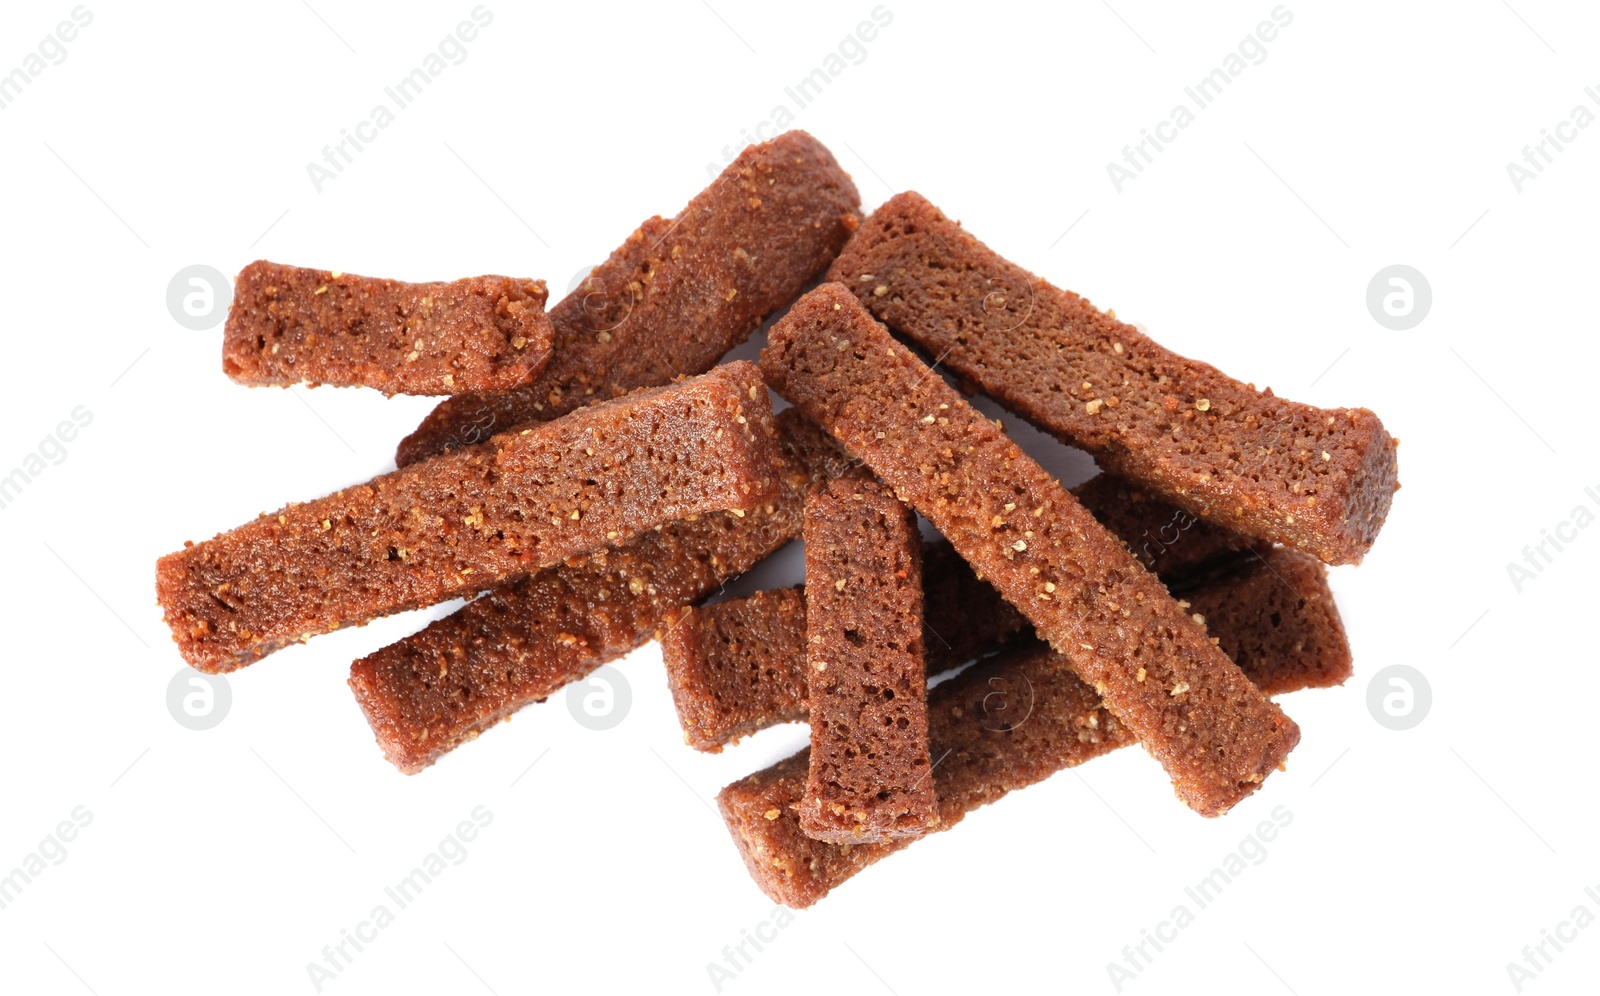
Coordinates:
x,y
1319,480
678,293
1216,735
466,522
866,679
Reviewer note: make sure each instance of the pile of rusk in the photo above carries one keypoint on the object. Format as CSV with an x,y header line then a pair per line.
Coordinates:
x,y
594,473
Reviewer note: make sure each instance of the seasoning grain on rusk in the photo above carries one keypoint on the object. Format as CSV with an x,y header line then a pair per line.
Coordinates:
x,y
1001,725
466,522
1319,480
866,677
1215,734
442,686
290,325
678,293
739,666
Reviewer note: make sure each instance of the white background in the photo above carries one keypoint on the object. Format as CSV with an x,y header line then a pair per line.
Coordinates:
x,y
1372,134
